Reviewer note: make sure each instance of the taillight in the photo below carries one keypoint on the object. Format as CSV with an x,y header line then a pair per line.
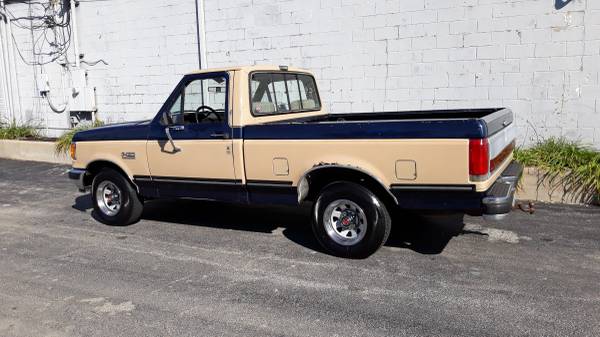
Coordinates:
x,y
73,150
479,158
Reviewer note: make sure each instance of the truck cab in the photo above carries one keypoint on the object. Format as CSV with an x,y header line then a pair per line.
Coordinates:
x,y
260,135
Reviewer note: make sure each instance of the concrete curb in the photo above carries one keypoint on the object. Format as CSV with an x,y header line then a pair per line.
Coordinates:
x,y
31,150
529,190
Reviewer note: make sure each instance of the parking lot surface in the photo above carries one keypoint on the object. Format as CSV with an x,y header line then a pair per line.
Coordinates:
x,y
192,268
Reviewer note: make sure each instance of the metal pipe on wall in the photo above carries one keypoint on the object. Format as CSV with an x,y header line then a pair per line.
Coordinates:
x,y
13,67
201,34
75,37
3,88
3,76
5,65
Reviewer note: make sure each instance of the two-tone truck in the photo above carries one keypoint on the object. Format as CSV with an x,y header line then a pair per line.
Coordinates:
x,y
260,135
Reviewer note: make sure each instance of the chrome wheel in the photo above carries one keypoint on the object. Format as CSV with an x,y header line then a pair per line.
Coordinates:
x,y
108,198
345,222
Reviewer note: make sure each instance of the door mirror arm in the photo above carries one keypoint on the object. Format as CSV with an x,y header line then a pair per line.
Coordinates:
x,y
167,120
168,129
168,132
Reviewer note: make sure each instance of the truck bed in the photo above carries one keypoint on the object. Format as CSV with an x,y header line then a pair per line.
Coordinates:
x,y
459,123
414,114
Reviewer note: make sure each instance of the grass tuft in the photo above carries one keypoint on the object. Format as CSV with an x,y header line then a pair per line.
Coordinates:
x,y
566,164
14,131
63,143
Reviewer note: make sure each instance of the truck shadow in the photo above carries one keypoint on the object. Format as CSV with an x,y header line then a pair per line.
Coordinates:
x,y
424,234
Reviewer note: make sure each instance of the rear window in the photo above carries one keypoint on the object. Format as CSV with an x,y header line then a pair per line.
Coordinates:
x,y
280,93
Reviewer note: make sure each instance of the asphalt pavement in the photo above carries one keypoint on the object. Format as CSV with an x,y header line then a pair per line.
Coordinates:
x,y
192,268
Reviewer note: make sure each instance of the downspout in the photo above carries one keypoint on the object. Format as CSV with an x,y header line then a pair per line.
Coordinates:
x,y
3,68
13,66
201,34
5,65
75,38
3,78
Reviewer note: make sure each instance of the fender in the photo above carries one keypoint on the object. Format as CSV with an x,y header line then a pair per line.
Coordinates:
x,y
104,162
303,183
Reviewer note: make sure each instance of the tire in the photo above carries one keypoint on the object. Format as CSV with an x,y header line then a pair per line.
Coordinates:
x,y
115,200
350,221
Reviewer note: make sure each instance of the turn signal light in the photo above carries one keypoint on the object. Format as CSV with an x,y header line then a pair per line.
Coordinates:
x,y
479,158
72,150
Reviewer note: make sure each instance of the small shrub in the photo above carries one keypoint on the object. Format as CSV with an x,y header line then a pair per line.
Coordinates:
x,y
14,131
565,164
63,143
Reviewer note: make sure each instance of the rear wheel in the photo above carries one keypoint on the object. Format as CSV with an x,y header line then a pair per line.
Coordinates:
x,y
350,221
115,200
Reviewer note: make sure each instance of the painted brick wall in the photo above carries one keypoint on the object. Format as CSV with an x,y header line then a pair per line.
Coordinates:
x,y
148,45
369,55
430,54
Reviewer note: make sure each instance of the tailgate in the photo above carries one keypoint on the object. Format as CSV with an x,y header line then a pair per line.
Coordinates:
x,y
502,136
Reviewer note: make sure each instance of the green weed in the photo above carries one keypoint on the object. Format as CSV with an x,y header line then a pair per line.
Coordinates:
x,y
565,164
63,143
13,130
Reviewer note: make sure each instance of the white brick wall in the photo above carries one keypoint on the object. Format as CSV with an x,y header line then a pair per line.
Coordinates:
x,y
148,45
375,55
2,103
367,54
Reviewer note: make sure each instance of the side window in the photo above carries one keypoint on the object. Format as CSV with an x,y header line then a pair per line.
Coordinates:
x,y
291,82
176,109
201,101
263,96
308,92
278,93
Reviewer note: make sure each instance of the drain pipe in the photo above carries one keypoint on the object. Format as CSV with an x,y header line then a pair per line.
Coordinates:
x,y
201,34
3,78
6,87
13,67
75,38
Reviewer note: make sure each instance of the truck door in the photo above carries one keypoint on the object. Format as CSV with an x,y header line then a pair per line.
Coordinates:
x,y
190,148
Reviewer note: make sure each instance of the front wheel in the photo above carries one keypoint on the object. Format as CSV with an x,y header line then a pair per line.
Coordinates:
x,y
115,200
350,221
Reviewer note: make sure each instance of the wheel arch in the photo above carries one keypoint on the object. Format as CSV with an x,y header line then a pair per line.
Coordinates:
x,y
94,167
318,177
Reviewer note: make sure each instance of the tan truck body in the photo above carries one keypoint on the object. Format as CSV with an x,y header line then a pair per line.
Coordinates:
x,y
389,161
260,135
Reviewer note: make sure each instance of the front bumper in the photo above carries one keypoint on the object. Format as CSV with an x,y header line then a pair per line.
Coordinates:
x,y
77,176
493,204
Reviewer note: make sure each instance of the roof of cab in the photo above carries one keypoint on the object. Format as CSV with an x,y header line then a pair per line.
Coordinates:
x,y
247,69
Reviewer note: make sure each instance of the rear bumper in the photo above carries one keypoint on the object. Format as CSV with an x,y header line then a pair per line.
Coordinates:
x,y
500,198
495,203
76,176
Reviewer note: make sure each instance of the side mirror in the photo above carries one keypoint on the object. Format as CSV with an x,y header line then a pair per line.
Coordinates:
x,y
166,118
177,119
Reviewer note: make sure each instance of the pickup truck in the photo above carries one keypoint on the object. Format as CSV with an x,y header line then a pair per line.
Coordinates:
x,y
260,135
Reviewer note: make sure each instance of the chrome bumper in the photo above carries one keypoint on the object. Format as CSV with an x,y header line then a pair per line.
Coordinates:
x,y
500,198
77,175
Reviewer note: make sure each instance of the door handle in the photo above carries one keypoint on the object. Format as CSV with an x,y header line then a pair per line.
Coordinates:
x,y
177,127
219,135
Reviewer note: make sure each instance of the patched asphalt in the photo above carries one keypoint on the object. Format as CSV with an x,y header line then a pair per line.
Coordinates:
x,y
193,268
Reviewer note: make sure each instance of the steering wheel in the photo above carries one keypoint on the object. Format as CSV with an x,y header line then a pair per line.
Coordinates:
x,y
206,114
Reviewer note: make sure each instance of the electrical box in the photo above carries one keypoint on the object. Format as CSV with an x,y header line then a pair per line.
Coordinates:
x,y
83,96
43,84
83,100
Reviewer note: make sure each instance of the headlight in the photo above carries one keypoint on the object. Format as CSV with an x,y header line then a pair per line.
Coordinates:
x,y
73,150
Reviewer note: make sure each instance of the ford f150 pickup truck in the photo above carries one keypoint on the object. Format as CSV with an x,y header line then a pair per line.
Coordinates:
x,y
260,135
